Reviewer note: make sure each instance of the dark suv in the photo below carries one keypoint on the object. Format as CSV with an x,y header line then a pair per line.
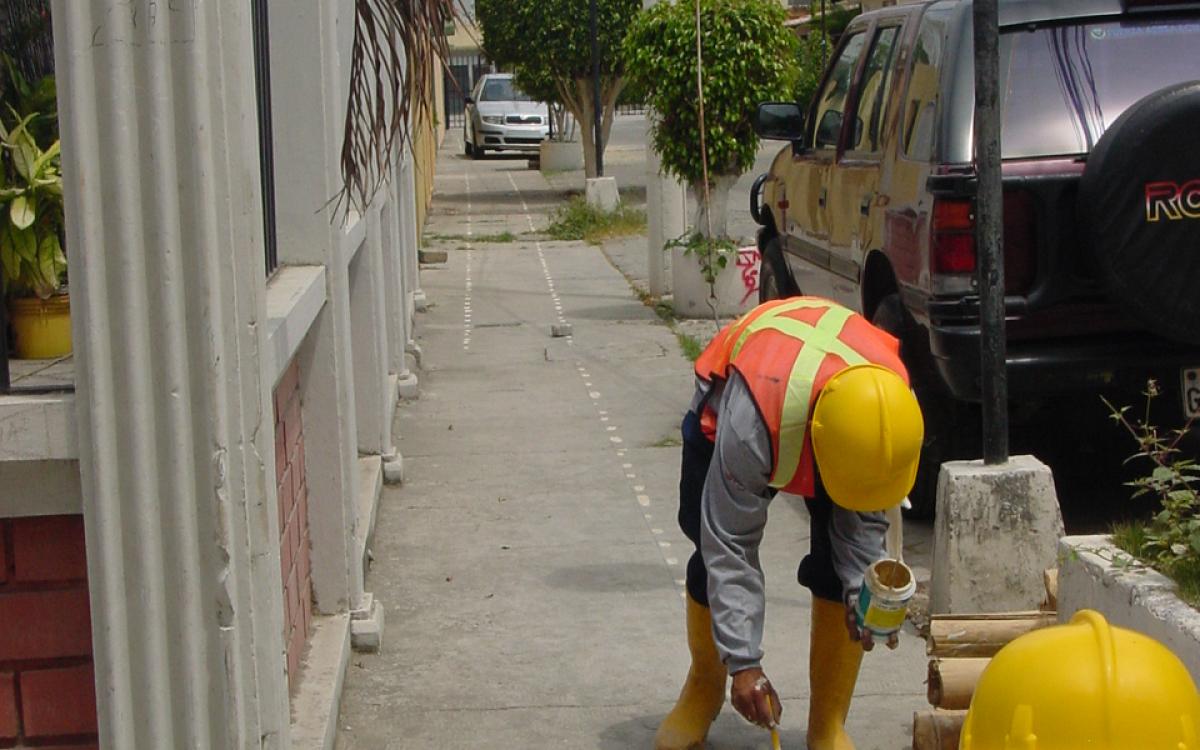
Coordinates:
x,y
872,204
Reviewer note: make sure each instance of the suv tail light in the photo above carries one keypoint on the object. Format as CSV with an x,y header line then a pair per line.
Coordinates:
x,y
953,245
953,239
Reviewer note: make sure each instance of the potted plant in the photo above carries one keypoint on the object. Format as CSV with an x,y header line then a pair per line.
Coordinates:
x,y
33,267
32,262
749,56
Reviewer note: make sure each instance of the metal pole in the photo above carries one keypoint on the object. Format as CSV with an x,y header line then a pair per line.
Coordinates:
x,y
596,91
989,207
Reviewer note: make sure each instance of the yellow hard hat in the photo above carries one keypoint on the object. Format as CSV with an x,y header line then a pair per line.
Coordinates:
x,y
1083,685
866,436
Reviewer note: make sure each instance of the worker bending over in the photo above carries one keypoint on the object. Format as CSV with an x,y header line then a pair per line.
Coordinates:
x,y
805,396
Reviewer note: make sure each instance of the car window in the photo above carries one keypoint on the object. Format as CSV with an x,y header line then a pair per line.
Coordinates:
x,y
502,90
1064,85
831,102
920,100
867,134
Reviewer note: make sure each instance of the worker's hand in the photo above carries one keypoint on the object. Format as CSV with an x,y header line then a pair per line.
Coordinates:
x,y
863,635
754,698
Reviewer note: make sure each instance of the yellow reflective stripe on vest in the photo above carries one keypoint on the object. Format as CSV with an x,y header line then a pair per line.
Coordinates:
x,y
819,340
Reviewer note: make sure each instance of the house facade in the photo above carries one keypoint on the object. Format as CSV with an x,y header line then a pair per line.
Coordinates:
x,y
185,536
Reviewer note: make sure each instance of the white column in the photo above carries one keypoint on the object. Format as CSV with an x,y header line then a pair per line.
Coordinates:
x,y
666,219
369,328
408,185
308,91
411,247
396,271
666,214
164,224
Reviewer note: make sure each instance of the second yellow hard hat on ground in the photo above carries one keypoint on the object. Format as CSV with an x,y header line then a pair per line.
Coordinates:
x,y
1083,685
866,434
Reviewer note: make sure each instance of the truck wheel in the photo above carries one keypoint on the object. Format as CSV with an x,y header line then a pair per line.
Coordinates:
x,y
948,434
1139,199
774,279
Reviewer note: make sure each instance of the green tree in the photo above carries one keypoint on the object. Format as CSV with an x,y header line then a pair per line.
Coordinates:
x,y
550,39
748,57
815,50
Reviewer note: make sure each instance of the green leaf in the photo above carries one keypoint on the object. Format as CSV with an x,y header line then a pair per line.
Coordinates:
x,y
24,244
24,156
23,212
49,267
9,262
47,157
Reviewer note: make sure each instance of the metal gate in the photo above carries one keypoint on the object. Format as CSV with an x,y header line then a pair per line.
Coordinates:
x,y
461,75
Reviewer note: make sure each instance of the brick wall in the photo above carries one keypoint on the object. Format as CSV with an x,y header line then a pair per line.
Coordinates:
x,y
47,687
293,520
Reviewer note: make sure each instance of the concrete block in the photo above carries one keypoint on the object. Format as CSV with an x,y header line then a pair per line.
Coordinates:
x,y
602,193
408,386
420,302
318,699
1093,573
393,469
366,627
560,156
415,350
432,256
997,530
559,330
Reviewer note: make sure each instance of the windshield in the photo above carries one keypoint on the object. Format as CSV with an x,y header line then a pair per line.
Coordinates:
x,y
1064,85
502,90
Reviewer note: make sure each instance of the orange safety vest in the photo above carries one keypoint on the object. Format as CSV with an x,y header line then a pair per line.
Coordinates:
x,y
786,351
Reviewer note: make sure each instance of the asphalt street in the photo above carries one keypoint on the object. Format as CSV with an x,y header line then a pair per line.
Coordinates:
x,y
530,565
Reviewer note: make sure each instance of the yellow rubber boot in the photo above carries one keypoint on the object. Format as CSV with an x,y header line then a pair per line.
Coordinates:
x,y
703,692
833,665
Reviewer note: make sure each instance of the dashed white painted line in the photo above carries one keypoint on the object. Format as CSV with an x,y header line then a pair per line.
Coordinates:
x,y
554,299
467,327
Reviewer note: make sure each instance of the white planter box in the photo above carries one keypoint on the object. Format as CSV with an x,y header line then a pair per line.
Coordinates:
x,y
561,156
1095,574
736,287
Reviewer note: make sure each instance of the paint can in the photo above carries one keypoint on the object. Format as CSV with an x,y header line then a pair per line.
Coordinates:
x,y
883,599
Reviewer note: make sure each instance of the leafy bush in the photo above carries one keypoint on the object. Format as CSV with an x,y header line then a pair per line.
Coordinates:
x,y
815,50
1170,540
576,220
749,57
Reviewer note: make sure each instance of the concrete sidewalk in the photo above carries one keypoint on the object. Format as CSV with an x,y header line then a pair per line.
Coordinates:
x,y
531,566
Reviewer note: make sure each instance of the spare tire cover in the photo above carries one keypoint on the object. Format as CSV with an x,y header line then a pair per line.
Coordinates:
x,y
1140,208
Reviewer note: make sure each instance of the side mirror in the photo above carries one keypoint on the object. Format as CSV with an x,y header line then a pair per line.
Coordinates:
x,y
779,121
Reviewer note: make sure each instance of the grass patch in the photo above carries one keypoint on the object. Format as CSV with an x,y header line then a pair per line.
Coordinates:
x,y
500,237
1131,537
690,345
576,220
667,442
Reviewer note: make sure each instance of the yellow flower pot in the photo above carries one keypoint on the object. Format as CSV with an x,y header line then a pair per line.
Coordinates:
x,y
41,328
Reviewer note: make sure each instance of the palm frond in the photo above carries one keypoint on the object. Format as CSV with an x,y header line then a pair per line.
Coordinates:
x,y
398,46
